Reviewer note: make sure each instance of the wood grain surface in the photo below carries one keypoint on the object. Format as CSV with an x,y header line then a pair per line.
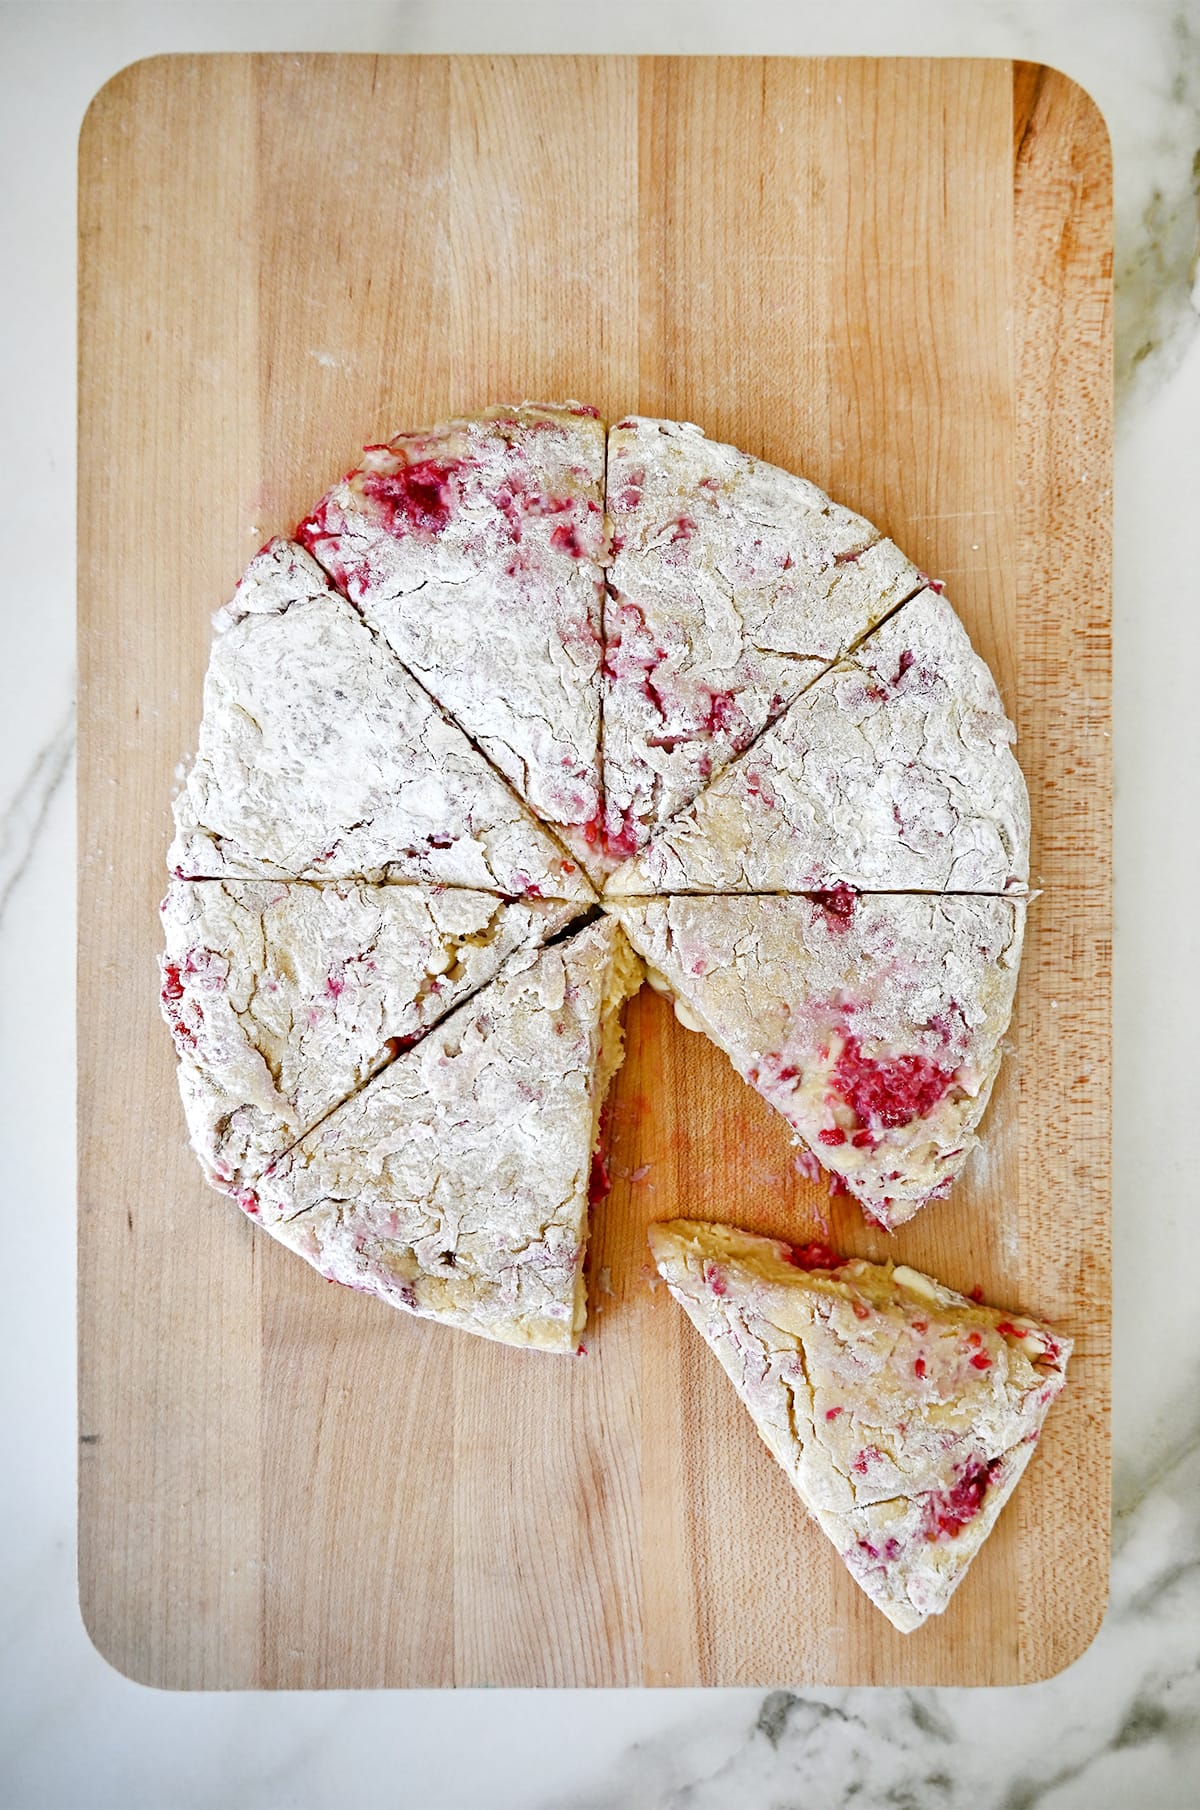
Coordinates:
x,y
890,276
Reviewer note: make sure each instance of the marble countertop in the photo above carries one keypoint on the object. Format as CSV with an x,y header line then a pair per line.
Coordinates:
x,y
1122,1726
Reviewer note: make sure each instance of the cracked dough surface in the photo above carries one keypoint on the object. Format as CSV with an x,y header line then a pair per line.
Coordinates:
x,y
405,706
321,758
893,772
476,549
455,1184
903,1413
872,1023
284,998
732,586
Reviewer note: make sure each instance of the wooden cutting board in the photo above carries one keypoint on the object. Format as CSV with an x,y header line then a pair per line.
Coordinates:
x,y
891,276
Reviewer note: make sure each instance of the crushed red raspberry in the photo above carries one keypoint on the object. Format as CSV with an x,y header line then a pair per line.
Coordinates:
x,y
975,1338
814,1257
172,984
312,529
861,1310
247,1200
888,1090
948,1511
599,1182
869,1455
565,539
906,660
832,1413
837,1185
919,1367
1007,1329
722,712
920,1325
981,1361
715,1279
832,1138
335,985
416,496
838,903
623,839
581,1350
976,1294
864,1140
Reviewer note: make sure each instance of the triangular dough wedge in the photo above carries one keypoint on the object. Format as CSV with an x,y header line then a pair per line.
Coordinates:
x,y
733,585
455,1185
903,1413
476,549
283,999
872,1022
321,758
892,773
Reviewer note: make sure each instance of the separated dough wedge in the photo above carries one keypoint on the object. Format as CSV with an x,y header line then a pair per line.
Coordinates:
x,y
892,773
476,549
733,585
873,1023
321,758
282,999
455,1184
903,1413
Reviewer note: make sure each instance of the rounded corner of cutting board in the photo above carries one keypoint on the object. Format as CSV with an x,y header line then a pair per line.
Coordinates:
x,y
1040,90
123,92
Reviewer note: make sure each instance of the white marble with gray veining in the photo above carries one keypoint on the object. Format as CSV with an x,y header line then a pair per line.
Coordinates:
x,y
1122,1727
